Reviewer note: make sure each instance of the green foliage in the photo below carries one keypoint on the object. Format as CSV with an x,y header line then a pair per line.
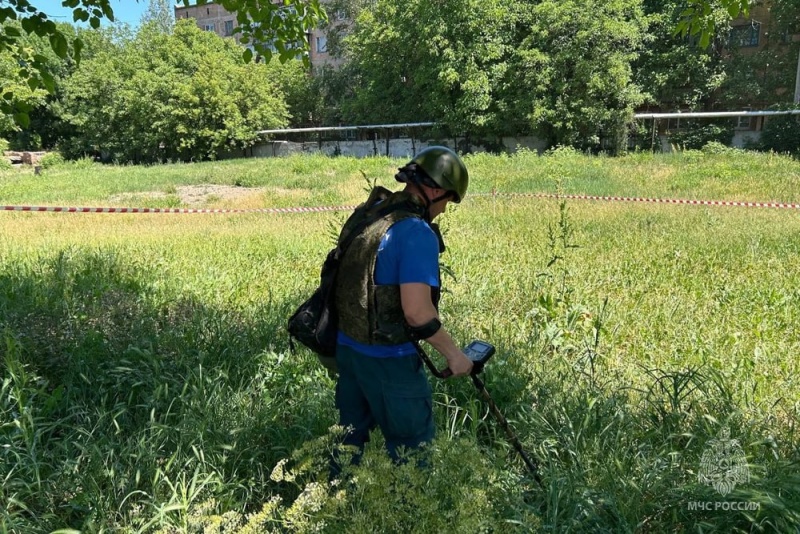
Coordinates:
x,y
146,383
179,96
764,77
572,71
698,17
261,24
561,70
464,492
51,159
453,78
20,92
159,13
715,147
696,135
781,134
302,91
45,128
702,69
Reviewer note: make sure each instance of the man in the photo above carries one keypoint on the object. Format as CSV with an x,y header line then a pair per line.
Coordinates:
x,y
388,291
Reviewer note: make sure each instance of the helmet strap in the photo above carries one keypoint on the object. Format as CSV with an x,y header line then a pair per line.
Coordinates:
x,y
413,174
446,194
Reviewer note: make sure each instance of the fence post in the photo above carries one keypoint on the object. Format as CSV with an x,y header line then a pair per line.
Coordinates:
x,y
388,134
797,82
653,140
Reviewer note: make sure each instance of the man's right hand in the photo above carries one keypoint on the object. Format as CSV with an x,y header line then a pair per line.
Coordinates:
x,y
460,365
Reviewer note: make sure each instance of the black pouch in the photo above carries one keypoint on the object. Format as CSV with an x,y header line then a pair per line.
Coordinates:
x,y
315,322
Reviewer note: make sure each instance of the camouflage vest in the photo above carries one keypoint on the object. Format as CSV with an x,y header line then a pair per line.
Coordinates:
x,y
369,313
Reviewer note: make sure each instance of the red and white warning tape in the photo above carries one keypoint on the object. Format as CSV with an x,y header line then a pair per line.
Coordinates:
x,y
732,203
317,209
57,209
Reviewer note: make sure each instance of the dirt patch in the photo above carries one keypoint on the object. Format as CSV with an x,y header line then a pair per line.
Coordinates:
x,y
194,195
202,194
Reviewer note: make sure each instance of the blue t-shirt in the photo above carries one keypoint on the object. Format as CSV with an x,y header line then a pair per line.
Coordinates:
x,y
408,253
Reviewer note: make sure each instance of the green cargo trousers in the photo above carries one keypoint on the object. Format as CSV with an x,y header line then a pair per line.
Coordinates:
x,y
392,393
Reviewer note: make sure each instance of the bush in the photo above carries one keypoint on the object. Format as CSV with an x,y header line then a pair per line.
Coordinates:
x,y
460,491
715,147
781,134
696,136
4,163
51,159
86,162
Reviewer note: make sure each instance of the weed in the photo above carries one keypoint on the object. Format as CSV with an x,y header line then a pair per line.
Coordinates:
x,y
146,382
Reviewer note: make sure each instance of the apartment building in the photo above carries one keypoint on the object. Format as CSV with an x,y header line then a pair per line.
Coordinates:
x,y
215,18
758,39
752,34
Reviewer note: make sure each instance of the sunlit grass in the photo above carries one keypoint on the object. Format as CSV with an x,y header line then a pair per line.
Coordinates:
x,y
147,381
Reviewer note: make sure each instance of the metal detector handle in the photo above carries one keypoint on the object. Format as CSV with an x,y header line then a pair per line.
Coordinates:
x,y
443,374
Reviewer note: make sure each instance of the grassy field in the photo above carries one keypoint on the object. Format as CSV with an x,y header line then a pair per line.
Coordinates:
x,y
147,383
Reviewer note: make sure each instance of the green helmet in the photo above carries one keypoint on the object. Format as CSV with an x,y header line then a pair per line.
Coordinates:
x,y
445,168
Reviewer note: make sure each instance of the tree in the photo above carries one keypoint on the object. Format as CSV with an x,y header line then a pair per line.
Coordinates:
x,y
261,25
181,96
18,94
765,76
699,17
160,14
33,100
571,74
419,61
674,71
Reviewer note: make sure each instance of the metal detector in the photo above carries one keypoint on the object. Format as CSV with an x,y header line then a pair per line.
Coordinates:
x,y
480,352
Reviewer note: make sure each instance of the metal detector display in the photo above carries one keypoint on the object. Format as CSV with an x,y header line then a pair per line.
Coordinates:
x,y
479,352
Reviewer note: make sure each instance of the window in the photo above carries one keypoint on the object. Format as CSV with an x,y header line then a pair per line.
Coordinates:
x,y
744,123
283,10
674,124
340,14
208,27
322,44
270,46
745,36
228,27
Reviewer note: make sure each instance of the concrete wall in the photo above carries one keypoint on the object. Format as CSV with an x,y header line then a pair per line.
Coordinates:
x,y
406,147
398,148
740,139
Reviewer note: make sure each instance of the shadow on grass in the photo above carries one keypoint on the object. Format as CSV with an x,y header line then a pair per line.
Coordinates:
x,y
115,404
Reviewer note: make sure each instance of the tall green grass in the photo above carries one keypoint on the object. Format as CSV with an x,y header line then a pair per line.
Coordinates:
x,y
147,384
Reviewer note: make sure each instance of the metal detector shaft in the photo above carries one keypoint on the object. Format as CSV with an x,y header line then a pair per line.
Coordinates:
x,y
531,464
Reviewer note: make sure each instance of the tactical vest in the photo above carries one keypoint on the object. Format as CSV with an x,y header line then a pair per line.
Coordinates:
x,y
369,313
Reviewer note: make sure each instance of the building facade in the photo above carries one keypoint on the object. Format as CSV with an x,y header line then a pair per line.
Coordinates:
x,y
757,51
215,18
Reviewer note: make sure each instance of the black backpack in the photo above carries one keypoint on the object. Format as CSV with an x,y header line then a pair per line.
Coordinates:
x,y
315,322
